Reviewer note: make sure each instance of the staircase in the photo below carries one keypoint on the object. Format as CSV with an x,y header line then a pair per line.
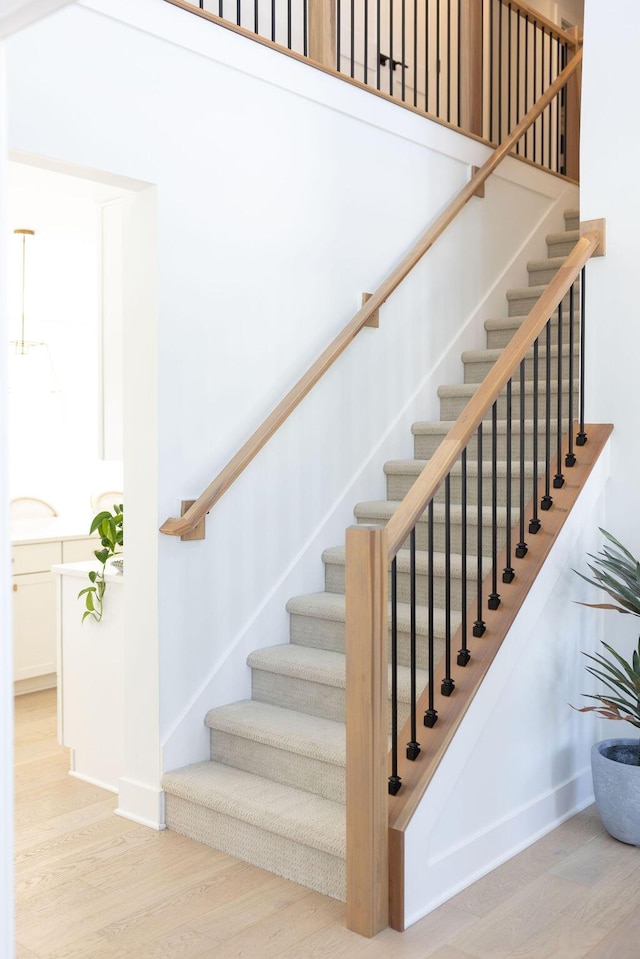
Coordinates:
x,y
273,791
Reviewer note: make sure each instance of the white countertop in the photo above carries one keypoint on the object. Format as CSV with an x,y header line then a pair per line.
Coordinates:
x,y
49,529
80,570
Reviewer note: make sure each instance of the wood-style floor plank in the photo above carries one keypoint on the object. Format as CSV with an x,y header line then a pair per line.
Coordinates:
x,y
91,885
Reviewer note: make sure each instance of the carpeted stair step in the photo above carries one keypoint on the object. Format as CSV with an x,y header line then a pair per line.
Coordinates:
x,y
334,560
522,300
379,512
572,219
478,363
561,244
302,751
288,831
500,330
401,474
454,399
429,434
542,272
318,620
312,680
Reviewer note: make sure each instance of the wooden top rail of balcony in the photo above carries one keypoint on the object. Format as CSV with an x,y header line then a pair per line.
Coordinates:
x,y
184,526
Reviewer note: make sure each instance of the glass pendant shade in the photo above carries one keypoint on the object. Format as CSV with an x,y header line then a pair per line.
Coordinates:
x,y
30,365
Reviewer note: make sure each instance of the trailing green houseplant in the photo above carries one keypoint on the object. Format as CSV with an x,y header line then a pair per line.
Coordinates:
x,y
110,529
617,572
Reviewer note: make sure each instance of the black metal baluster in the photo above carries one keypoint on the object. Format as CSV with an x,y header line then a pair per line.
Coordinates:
x,y
448,684
518,19
220,8
426,57
458,57
378,45
413,747
404,29
570,458
581,438
391,47
255,21
366,41
500,12
479,626
305,27
526,80
521,548
541,92
509,77
288,22
557,102
415,53
449,61
547,502
394,780
438,58
431,715
563,114
339,34
558,479
491,70
535,524
463,653
534,127
550,107
273,19
494,597
353,38
508,572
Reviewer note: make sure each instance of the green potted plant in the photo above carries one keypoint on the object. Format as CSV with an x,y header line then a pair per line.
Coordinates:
x,y
615,763
110,529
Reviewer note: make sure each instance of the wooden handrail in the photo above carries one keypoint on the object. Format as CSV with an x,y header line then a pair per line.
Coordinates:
x,y
566,36
442,461
180,526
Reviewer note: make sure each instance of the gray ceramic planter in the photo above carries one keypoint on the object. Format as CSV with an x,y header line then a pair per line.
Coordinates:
x,y
616,784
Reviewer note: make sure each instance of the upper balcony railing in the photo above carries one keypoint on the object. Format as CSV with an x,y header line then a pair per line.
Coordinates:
x,y
478,65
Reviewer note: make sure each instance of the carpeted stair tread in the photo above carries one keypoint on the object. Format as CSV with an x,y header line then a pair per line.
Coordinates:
x,y
321,666
493,354
415,467
337,556
382,510
442,427
287,812
533,293
568,236
467,390
332,606
300,733
549,263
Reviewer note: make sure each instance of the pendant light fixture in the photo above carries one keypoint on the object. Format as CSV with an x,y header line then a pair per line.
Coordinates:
x,y
30,366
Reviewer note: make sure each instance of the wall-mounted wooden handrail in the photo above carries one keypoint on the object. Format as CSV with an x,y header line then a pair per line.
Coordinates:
x,y
444,458
179,526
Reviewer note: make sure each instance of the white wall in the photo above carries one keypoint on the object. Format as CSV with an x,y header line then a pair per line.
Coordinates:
x,y
282,194
6,651
610,144
520,762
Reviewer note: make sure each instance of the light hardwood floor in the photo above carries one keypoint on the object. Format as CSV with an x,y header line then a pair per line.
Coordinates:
x,y
91,885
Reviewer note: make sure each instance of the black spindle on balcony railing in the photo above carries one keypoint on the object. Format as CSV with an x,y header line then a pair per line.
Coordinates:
x,y
509,72
431,714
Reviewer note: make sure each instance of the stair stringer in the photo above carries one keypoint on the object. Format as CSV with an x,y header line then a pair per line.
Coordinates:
x,y
518,764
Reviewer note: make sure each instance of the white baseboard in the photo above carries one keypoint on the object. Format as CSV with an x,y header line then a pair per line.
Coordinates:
x,y
92,781
141,803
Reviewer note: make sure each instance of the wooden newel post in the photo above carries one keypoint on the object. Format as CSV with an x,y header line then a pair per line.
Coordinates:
x,y
572,115
367,730
322,32
471,73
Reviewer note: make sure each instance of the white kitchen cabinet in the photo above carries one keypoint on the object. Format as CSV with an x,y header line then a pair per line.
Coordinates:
x,y
37,546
